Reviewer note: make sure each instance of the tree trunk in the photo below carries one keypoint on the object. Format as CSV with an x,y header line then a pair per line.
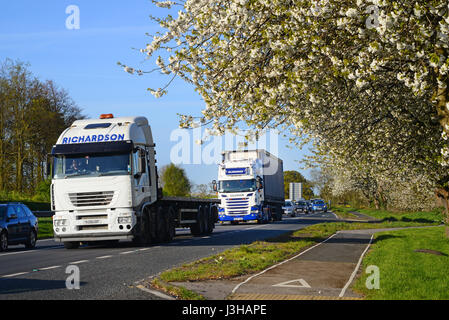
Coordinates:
x,y
443,195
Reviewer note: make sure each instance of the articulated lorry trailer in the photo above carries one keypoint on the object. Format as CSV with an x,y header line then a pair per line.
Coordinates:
x,y
250,186
105,187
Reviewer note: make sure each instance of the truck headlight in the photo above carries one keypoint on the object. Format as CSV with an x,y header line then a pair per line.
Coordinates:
x,y
60,222
125,220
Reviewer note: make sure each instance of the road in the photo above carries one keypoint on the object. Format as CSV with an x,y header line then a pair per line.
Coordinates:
x,y
113,272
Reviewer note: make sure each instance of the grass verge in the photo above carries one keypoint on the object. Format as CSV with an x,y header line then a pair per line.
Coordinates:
x,y
404,273
45,228
259,255
435,215
344,212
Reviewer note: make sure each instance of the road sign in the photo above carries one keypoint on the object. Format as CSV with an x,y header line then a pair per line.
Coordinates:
x,y
295,191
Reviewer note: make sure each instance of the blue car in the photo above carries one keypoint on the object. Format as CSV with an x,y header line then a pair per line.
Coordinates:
x,y
319,205
18,225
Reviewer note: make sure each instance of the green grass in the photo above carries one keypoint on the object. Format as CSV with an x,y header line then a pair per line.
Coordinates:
x,y
343,212
176,291
435,215
45,228
404,273
32,202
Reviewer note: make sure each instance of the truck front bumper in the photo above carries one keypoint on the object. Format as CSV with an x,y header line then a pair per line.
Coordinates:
x,y
104,236
247,217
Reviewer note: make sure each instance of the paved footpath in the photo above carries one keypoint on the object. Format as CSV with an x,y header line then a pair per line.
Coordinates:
x,y
324,271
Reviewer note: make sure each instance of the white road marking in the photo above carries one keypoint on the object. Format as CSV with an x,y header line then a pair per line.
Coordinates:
x,y
156,293
49,268
343,291
256,227
276,265
79,262
15,275
288,284
128,252
103,257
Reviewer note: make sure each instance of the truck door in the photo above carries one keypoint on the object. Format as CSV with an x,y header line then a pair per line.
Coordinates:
x,y
141,181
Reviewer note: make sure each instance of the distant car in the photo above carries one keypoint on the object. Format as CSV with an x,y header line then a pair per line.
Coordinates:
x,y
301,207
309,204
18,225
289,208
319,205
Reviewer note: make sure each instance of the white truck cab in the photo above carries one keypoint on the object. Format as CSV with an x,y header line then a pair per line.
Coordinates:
x,y
103,174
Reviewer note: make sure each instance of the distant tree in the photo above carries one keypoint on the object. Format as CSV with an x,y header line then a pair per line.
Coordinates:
x,y
175,181
32,116
295,176
203,190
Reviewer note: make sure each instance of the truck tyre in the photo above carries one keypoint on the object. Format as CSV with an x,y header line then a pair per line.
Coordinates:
x,y
161,225
197,229
71,245
144,236
171,232
211,221
206,220
279,213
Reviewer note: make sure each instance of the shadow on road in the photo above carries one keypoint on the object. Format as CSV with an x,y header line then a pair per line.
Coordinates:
x,y
21,285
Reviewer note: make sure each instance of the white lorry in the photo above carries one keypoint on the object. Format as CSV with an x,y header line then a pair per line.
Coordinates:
x,y
250,186
105,187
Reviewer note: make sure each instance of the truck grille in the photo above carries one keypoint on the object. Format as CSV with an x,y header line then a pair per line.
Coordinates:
x,y
87,199
237,206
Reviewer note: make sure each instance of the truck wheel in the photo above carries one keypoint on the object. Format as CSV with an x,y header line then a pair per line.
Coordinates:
x,y
279,213
211,221
206,220
197,229
144,236
71,245
171,232
161,225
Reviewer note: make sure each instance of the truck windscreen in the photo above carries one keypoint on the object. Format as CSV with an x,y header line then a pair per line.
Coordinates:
x,y
228,186
73,166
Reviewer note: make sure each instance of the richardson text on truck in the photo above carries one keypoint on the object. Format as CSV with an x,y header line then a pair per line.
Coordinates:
x,y
105,187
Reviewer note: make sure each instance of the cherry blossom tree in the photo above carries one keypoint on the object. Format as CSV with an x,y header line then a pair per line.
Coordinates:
x,y
365,80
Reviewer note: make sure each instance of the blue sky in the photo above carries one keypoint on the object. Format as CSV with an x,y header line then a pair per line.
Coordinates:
x,y
84,62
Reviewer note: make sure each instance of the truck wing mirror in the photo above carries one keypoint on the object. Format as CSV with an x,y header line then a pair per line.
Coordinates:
x,y
214,185
259,183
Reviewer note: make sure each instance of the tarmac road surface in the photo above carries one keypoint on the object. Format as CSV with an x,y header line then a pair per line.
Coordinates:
x,y
114,272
